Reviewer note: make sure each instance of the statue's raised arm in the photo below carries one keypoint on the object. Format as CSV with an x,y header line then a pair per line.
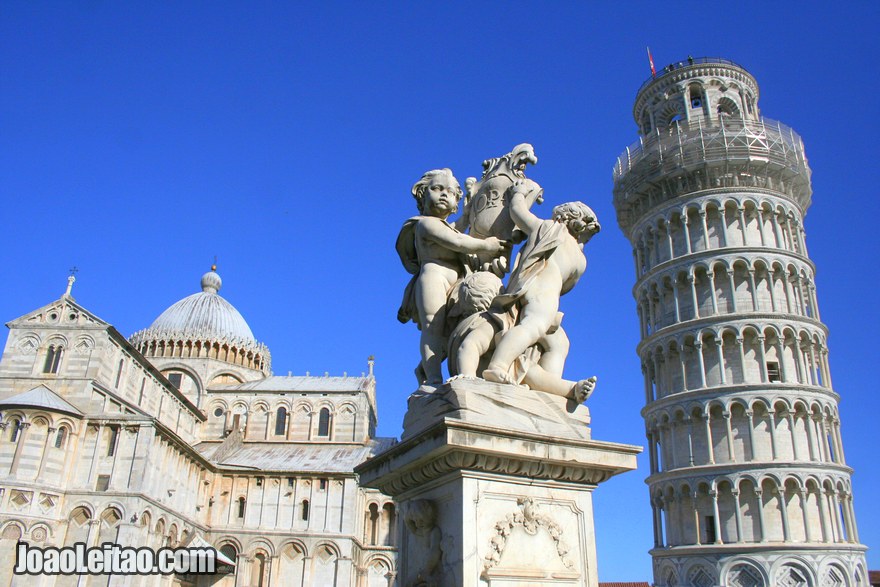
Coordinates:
x,y
549,265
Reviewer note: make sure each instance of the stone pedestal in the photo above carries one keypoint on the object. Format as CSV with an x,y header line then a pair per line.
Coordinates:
x,y
494,484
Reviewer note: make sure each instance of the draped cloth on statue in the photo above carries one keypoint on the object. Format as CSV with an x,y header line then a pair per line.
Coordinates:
x,y
531,261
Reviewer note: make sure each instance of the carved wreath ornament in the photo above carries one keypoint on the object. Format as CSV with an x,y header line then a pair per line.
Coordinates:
x,y
531,521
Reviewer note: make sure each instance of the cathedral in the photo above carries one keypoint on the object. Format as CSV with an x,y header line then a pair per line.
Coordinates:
x,y
180,435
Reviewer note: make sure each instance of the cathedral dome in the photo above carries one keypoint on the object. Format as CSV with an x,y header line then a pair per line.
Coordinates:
x,y
203,324
205,315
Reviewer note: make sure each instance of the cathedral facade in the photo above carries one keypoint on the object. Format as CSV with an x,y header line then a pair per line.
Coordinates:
x,y
181,435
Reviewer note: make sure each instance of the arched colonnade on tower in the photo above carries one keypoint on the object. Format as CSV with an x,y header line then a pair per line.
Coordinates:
x,y
799,507
756,430
726,284
715,222
735,354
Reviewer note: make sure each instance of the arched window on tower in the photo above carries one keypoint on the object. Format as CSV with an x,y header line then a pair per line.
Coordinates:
x,y
695,95
646,122
324,422
281,421
53,358
727,107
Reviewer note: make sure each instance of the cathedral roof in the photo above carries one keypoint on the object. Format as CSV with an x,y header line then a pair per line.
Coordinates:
x,y
311,457
202,316
41,398
290,383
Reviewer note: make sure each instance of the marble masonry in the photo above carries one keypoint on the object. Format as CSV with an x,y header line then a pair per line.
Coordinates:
x,y
182,433
496,467
748,482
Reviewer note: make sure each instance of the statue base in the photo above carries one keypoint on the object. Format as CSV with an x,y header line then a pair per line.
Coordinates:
x,y
494,483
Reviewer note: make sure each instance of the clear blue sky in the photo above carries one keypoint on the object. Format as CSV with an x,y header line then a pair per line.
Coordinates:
x,y
140,139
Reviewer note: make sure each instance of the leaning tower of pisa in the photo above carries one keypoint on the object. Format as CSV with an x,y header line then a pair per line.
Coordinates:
x,y
749,484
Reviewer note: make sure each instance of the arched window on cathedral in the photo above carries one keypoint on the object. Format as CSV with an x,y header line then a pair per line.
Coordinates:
x,y
15,428
61,437
53,358
281,421
119,372
113,433
240,507
229,551
258,570
372,524
324,422
304,513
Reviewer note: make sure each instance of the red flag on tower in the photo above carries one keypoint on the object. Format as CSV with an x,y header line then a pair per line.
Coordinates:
x,y
651,61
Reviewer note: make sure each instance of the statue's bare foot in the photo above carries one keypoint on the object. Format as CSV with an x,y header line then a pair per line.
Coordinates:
x,y
583,389
496,375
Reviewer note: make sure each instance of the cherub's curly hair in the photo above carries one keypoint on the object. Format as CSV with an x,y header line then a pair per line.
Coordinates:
x,y
577,216
477,291
418,189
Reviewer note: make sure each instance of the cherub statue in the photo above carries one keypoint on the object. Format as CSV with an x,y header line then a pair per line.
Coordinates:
x,y
434,251
549,265
540,366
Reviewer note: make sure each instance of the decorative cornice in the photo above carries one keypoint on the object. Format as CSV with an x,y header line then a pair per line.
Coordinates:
x,y
453,445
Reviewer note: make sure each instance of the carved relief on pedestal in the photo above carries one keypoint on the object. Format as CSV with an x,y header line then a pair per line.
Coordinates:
x,y
533,523
425,548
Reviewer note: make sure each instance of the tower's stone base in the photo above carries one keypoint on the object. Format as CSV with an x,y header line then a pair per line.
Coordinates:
x,y
763,564
495,484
